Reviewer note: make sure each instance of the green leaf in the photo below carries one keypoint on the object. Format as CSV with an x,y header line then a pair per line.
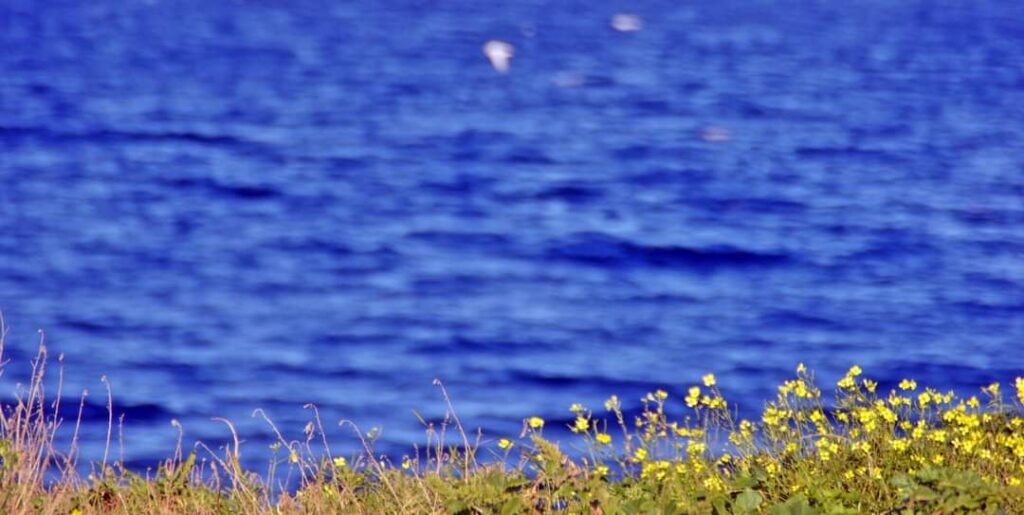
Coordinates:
x,y
747,502
457,507
512,506
720,507
796,505
745,481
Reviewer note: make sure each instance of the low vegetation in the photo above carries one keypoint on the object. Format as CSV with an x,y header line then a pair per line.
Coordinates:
x,y
912,449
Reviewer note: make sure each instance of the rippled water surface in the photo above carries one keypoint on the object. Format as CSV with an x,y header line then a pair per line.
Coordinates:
x,y
225,205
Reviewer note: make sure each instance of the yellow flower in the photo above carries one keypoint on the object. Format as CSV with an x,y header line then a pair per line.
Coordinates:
x,y
924,398
576,408
661,395
75,511
293,457
693,397
640,454
919,430
505,443
826,449
908,384
800,389
870,385
772,416
535,422
854,371
746,427
714,483
818,417
709,380
581,425
612,403
600,471
992,389
1019,383
713,402
800,368
658,470
406,463
603,438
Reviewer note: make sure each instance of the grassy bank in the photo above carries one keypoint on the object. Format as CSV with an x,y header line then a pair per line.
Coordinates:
x,y
910,450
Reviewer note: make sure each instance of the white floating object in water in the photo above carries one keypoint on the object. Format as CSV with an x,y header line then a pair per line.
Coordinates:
x,y
500,54
627,22
715,134
569,79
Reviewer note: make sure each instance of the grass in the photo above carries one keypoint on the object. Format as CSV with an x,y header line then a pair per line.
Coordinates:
x,y
909,450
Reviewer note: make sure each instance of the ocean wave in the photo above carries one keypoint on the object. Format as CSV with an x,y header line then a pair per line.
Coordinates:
x,y
604,250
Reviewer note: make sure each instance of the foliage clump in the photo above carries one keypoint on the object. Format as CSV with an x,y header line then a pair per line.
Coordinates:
x,y
861,450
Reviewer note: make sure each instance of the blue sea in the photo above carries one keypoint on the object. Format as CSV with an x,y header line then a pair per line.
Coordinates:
x,y
224,206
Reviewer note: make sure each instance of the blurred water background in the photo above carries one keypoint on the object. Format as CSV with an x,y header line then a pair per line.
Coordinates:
x,y
230,205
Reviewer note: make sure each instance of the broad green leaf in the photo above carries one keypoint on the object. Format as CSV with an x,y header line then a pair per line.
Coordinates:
x,y
747,502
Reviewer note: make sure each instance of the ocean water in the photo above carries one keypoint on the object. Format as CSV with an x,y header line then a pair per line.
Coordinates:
x,y
224,206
